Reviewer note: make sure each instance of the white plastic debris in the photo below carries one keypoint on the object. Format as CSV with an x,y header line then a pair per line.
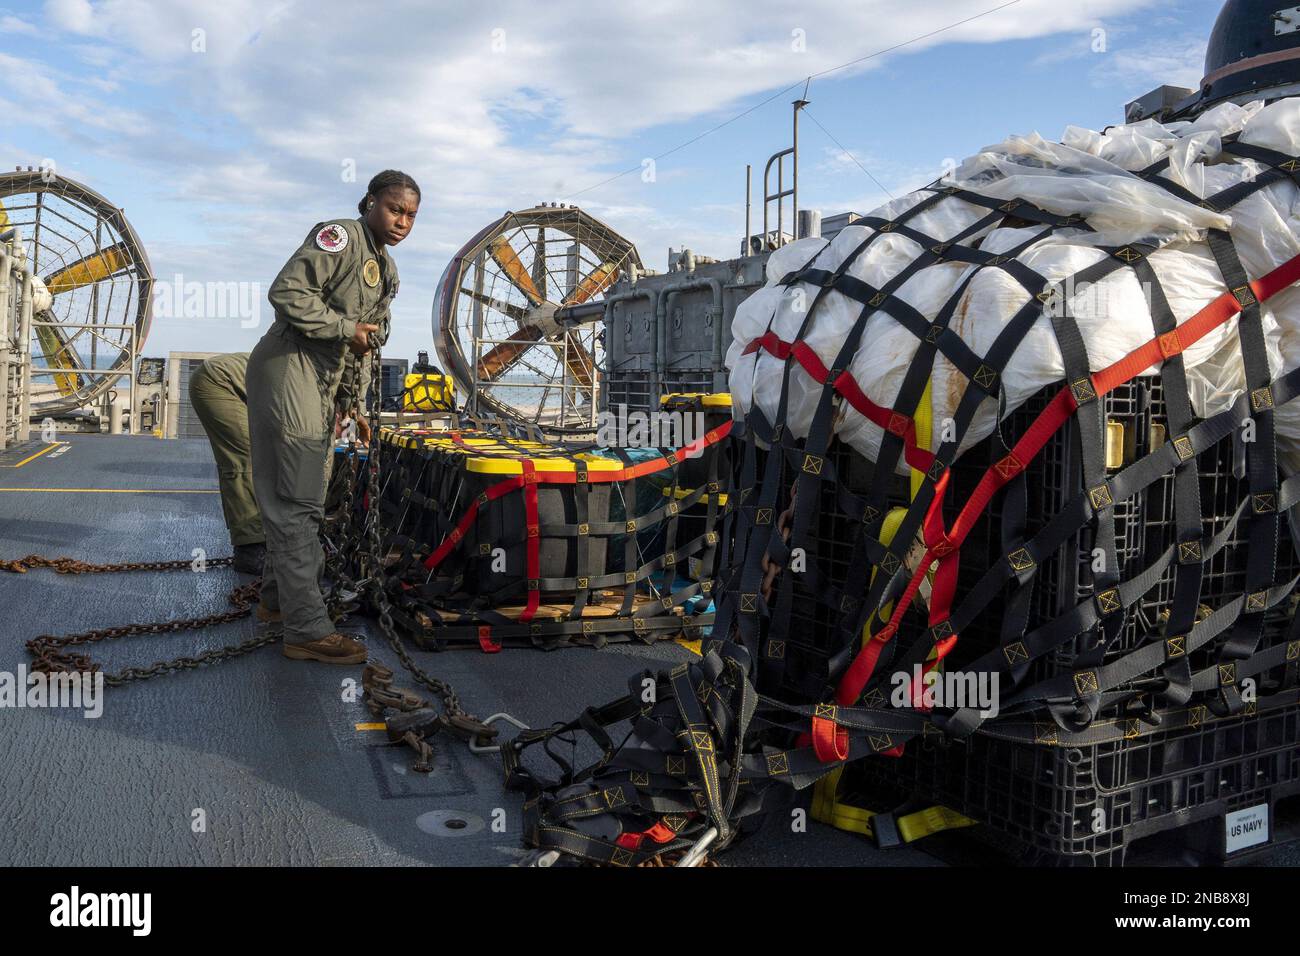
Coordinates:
x,y
1089,174
41,297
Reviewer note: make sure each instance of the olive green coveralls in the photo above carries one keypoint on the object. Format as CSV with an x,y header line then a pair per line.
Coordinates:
x,y
219,398
218,394
294,373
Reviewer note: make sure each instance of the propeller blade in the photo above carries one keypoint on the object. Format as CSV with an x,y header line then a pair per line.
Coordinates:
x,y
596,282
58,355
89,270
504,255
539,260
516,312
578,359
497,361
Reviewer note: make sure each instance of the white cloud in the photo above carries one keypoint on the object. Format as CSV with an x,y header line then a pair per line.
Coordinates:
x,y
1173,61
42,97
12,24
77,16
488,106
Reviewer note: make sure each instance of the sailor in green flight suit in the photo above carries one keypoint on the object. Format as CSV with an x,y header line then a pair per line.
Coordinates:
x,y
220,399
331,296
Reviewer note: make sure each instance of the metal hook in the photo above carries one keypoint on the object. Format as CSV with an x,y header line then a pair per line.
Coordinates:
x,y
496,748
695,855
539,859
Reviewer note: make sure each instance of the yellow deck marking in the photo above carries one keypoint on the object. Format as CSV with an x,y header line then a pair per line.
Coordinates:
x,y
371,726
123,491
37,455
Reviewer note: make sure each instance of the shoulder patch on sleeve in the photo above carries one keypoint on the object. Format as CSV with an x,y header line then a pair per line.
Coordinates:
x,y
332,237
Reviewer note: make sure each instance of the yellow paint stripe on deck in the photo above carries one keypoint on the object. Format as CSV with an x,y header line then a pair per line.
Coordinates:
x,y
47,448
371,726
122,491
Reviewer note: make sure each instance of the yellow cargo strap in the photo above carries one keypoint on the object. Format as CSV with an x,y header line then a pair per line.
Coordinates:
x,y
706,399
911,827
826,806
686,492
498,455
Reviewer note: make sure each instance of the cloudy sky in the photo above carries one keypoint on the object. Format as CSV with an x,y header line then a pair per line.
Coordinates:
x,y
227,129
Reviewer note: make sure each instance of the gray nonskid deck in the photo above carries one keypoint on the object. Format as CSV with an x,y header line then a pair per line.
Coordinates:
x,y
266,748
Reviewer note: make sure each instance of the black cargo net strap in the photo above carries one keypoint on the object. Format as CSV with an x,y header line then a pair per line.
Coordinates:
x,y
1261,464
814,470
1023,564
1077,367
696,752
807,462
898,424
692,758
795,744
1189,555
430,500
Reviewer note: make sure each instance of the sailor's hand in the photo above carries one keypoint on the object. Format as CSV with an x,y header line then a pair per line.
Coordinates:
x,y
363,427
360,341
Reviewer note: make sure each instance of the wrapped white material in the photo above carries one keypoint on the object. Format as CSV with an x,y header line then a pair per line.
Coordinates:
x,y
1087,174
41,298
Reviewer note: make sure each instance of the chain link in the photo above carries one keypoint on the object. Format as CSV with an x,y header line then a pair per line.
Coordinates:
x,y
455,716
50,652
364,540
73,566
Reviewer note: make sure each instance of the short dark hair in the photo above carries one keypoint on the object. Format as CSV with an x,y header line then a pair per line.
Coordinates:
x,y
387,180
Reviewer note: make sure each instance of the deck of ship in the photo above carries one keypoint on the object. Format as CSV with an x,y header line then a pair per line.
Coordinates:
x,y
266,747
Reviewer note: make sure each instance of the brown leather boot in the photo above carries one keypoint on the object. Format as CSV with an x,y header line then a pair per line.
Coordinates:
x,y
334,649
267,616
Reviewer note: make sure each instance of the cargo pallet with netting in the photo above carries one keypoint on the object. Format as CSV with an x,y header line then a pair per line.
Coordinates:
x,y
1108,547
1044,799
1119,565
1135,425
1159,797
494,540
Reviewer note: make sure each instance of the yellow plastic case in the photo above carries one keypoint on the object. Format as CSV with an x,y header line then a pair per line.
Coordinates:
x,y
428,392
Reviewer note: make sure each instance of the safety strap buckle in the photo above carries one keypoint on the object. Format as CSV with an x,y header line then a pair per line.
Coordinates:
x,y
884,831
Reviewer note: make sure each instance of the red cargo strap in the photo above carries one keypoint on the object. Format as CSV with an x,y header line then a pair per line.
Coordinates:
x,y
534,540
829,740
1060,409
486,642
901,425
660,833
449,543
467,521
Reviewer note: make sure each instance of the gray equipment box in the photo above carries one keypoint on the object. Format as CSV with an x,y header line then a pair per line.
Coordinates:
x,y
670,333
393,371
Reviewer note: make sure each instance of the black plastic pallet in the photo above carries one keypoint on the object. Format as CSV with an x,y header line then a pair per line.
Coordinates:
x,y
1143,529
1144,525
1087,805
1095,805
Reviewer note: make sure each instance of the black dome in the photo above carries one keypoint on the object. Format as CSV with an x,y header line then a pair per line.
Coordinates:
x,y
1246,56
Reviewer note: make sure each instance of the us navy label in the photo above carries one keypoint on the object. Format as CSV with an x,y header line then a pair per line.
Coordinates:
x,y
1246,828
